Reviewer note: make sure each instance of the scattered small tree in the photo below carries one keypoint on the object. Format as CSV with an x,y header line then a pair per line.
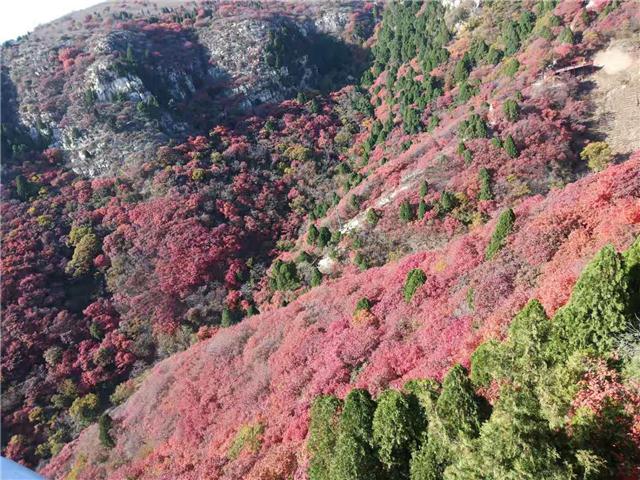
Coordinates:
x,y
104,426
372,216
249,437
511,110
406,211
360,261
84,409
510,147
284,276
85,251
363,304
503,229
415,279
597,155
484,177
312,235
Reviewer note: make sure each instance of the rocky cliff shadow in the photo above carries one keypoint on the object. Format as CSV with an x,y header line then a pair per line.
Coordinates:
x,y
15,138
334,62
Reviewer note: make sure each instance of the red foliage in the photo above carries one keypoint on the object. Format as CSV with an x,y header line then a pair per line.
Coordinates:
x,y
194,230
277,362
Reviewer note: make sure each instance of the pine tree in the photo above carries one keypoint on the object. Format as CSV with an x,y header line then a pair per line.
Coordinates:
x,y
354,457
316,277
503,229
415,279
462,68
457,407
473,127
314,105
510,38
515,443
484,177
511,110
486,363
104,427
397,427
424,187
510,147
447,202
429,462
227,318
24,188
566,36
632,265
511,67
312,235
494,56
406,211
525,24
323,433
324,237
422,209
598,310
528,336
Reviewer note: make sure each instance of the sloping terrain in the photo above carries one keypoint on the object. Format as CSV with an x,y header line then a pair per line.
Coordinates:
x,y
111,86
182,420
266,253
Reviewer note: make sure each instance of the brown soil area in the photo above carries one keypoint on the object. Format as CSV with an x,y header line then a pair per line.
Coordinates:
x,y
617,96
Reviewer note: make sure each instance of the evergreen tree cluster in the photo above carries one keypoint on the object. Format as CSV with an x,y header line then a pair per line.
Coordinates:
x,y
432,431
409,31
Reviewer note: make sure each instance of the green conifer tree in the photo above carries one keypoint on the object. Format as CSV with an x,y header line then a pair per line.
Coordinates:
x,y
354,457
323,433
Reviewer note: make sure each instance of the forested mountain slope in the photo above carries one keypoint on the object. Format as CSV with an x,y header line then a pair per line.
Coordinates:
x,y
325,261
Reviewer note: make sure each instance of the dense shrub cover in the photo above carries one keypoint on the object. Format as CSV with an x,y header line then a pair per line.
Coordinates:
x,y
539,426
288,356
381,192
100,280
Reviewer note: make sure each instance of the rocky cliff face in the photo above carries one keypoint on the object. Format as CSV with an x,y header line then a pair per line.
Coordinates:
x,y
110,86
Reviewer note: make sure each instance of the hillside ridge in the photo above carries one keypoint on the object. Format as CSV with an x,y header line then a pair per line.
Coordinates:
x,y
239,237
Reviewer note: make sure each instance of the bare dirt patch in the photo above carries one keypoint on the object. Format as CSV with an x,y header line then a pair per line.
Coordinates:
x,y
617,96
